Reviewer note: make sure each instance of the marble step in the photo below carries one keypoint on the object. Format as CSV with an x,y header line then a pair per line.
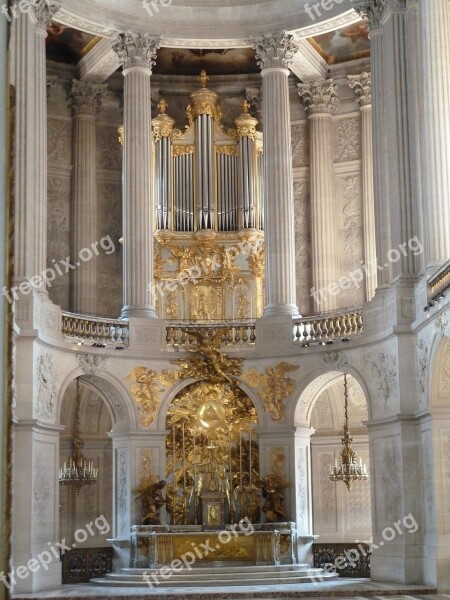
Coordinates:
x,y
226,576
222,568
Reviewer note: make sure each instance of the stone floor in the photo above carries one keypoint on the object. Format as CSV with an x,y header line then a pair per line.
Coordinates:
x,y
357,589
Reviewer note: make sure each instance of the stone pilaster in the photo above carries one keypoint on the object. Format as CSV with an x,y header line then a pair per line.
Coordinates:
x,y
29,31
434,24
85,99
137,53
321,102
362,86
274,54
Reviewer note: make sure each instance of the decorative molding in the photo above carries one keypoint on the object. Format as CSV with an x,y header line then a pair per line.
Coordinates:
x,y
43,12
333,24
137,50
275,52
85,98
90,363
46,377
384,374
319,97
372,10
348,139
362,86
335,359
422,369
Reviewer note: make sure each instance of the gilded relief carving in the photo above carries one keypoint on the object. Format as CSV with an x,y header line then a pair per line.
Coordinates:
x,y
273,387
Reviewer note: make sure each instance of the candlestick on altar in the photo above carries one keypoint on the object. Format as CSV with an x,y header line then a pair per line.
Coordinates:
x,y
250,459
194,467
184,476
173,479
231,478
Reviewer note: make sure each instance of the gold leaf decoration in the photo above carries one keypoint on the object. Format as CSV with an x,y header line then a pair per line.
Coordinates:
x,y
146,388
273,387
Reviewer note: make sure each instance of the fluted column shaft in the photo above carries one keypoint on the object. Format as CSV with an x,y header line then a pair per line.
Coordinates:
x,y
137,53
30,179
401,167
362,84
86,100
434,23
274,55
321,102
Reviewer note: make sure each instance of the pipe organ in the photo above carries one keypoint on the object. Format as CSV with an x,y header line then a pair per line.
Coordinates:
x,y
207,178
209,213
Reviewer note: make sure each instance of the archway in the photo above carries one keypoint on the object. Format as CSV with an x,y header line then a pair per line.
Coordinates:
x,y
435,433
86,514
339,516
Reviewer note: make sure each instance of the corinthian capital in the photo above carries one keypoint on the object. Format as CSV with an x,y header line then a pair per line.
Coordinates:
x,y
137,50
372,10
319,96
275,51
86,97
362,86
43,12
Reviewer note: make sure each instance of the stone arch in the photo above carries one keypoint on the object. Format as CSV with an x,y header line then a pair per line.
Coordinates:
x,y
310,389
111,391
438,385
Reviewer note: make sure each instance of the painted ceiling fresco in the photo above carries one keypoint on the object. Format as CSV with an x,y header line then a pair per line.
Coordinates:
x,y
177,61
344,44
66,45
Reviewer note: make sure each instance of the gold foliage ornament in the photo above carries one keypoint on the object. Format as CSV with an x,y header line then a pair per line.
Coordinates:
x,y
146,388
273,387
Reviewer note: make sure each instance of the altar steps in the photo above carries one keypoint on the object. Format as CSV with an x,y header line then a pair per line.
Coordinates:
x,y
216,576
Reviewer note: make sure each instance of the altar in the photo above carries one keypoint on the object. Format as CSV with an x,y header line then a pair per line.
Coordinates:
x,y
243,543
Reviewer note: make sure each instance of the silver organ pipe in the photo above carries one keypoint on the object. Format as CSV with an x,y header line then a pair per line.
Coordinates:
x,y
162,131
206,179
246,128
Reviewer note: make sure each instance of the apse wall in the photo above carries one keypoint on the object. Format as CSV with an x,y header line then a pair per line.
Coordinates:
x,y
231,89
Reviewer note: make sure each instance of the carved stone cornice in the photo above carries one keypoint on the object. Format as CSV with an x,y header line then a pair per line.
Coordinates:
x,y
275,52
319,96
362,86
137,50
85,97
43,13
372,10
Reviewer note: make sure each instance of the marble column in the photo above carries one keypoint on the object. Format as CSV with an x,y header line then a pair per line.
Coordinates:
x,y
274,54
362,86
373,11
434,63
321,103
85,99
28,75
137,53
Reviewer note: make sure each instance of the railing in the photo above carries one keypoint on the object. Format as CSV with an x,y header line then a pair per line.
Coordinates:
x,y
106,332
232,334
328,328
439,283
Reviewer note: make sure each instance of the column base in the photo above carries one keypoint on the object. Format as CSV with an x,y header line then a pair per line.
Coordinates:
x,y
138,312
281,310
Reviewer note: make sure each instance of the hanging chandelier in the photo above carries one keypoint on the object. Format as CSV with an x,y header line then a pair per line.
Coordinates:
x,y
77,471
349,469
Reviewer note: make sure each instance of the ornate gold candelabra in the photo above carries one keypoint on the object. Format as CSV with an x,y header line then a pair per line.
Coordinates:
x,y
349,469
